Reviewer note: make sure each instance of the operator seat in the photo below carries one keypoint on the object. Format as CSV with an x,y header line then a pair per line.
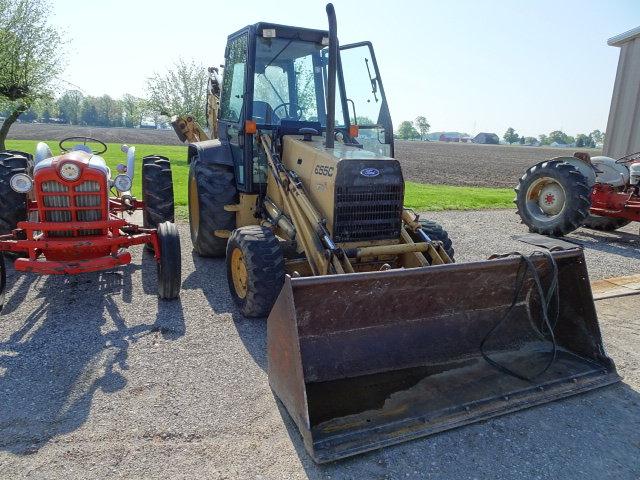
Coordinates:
x,y
263,113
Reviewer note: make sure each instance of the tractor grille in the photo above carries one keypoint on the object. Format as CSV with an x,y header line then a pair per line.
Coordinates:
x,y
367,212
63,205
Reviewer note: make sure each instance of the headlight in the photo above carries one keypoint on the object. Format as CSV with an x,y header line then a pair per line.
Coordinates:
x,y
21,183
70,171
122,183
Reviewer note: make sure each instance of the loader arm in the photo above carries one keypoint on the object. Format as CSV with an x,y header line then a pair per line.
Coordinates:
x,y
323,255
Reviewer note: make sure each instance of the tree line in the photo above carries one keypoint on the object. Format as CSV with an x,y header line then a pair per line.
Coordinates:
x,y
581,140
419,128
75,108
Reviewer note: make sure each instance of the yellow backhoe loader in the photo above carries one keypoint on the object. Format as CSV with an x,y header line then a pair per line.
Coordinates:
x,y
375,335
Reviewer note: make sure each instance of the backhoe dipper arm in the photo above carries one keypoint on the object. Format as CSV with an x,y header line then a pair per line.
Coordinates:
x,y
188,129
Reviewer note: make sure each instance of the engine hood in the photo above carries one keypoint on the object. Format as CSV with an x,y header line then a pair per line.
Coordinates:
x,y
89,160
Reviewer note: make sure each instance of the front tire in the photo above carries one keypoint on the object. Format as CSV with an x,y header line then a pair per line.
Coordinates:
x,y
436,232
170,263
553,198
607,224
211,187
13,205
255,269
157,191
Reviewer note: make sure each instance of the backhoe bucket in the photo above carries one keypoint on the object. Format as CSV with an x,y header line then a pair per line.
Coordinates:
x,y
365,360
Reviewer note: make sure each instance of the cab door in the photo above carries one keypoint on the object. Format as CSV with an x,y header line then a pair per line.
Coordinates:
x,y
233,105
366,100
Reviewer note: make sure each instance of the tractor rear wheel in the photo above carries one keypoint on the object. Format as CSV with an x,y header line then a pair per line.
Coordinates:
x,y
170,263
157,191
553,198
255,269
607,224
211,187
436,232
13,205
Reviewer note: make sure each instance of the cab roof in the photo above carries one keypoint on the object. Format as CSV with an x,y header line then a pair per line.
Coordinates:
x,y
286,31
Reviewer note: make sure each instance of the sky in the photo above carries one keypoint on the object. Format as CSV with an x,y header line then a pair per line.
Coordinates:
x,y
467,66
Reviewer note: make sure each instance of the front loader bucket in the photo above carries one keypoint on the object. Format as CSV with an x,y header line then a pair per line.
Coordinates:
x,y
365,360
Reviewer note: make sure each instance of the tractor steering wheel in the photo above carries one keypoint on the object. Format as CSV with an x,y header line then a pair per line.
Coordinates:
x,y
84,142
286,111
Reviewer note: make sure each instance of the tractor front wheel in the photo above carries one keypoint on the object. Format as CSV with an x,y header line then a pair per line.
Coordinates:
x,y
255,269
170,263
553,198
157,191
13,205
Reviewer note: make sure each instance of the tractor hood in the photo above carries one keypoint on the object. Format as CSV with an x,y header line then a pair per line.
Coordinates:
x,y
82,158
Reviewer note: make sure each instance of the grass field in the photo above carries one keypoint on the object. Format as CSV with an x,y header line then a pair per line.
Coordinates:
x,y
420,197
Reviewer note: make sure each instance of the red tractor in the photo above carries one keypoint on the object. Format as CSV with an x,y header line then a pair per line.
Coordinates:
x,y
556,197
57,214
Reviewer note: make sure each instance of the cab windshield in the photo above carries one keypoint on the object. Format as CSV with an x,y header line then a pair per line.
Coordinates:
x,y
289,82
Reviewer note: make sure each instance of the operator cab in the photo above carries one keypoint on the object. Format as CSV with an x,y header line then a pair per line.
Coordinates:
x,y
276,76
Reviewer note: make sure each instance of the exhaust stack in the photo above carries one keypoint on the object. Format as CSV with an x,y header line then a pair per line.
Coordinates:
x,y
331,81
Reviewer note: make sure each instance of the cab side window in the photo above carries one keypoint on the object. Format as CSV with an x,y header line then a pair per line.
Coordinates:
x,y
233,83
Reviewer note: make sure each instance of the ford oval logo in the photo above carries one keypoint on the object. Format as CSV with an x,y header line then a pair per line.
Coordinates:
x,y
369,172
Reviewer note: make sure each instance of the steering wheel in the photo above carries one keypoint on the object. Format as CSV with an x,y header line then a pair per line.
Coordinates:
x,y
286,111
84,142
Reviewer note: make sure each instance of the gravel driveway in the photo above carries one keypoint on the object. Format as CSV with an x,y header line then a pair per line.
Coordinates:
x,y
478,234
98,379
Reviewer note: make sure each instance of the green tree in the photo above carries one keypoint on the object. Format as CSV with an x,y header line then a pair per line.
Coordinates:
x,y
89,111
70,106
132,109
181,90
530,140
583,141
544,139
31,50
422,126
522,140
407,131
597,136
559,137
510,136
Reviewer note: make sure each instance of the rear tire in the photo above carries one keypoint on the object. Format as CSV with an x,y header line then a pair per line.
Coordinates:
x,y
607,224
13,205
255,269
211,187
157,191
436,232
553,198
170,263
